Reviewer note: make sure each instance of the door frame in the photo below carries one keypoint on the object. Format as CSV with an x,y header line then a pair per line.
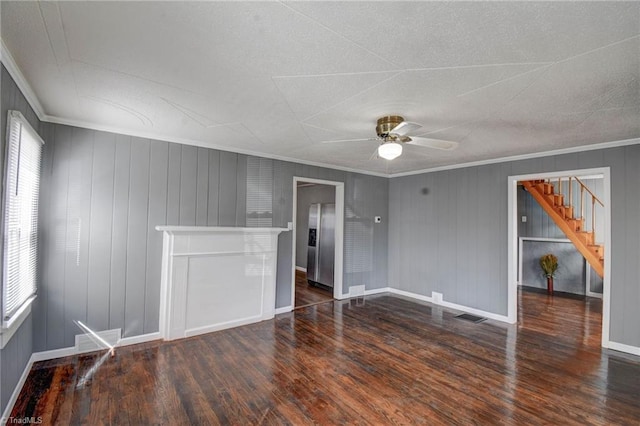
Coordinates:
x,y
339,235
512,244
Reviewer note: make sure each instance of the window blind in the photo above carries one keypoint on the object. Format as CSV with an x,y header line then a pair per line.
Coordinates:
x,y
22,184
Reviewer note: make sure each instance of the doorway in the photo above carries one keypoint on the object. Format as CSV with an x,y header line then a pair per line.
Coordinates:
x,y
316,196
514,270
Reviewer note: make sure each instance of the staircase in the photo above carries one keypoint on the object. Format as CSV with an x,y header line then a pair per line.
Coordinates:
x,y
553,202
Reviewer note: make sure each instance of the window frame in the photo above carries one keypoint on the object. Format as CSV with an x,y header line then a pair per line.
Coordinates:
x,y
8,326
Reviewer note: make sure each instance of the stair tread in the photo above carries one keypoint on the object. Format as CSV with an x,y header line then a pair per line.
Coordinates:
x,y
562,214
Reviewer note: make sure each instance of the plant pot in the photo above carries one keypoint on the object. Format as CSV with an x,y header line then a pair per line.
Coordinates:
x,y
550,285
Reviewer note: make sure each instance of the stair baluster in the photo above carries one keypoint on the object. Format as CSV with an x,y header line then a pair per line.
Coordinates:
x,y
549,194
594,200
593,218
582,201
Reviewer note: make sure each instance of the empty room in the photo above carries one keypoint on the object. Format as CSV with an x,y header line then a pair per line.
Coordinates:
x,y
320,212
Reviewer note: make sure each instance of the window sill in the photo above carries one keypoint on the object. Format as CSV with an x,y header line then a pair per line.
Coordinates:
x,y
10,327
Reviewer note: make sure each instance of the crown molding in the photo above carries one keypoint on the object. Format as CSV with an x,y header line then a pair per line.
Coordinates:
x,y
21,81
571,150
202,144
166,138
9,62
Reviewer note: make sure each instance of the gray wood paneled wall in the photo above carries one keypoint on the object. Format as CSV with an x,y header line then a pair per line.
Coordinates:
x,y
448,232
105,193
15,355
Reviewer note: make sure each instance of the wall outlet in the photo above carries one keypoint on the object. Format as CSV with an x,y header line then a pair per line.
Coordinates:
x,y
377,219
289,226
436,297
524,219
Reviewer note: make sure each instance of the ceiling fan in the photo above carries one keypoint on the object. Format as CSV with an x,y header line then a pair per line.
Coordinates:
x,y
393,132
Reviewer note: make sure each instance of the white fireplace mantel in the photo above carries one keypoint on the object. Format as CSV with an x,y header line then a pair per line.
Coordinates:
x,y
216,277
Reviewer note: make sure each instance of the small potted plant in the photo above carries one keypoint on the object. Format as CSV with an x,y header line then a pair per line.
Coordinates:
x,y
549,265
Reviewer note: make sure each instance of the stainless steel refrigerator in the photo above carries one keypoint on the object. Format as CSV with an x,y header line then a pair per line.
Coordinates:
x,y
321,246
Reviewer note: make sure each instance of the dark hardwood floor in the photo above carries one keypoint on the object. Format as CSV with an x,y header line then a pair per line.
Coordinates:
x,y
375,360
307,294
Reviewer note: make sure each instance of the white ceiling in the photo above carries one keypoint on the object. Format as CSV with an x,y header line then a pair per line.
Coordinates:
x,y
277,78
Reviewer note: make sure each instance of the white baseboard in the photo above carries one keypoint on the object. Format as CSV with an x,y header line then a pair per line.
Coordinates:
x,y
191,332
377,291
16,391
143,338
284,310
621,347
443,303
53,354
301,269
455,306
61,353
411,295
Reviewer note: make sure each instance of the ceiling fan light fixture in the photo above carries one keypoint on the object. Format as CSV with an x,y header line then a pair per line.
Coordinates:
x,y
390,150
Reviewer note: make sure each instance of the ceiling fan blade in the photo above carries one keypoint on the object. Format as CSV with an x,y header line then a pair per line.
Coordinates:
x,y
350,140
433,143
404,128
375,155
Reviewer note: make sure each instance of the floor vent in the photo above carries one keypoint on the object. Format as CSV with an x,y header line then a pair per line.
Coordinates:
x,y
473,318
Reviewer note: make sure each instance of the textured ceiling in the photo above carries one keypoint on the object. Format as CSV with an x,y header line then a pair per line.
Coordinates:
x,y
277,78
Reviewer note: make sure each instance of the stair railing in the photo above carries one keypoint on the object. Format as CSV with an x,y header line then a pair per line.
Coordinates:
x,y
583,189
594,200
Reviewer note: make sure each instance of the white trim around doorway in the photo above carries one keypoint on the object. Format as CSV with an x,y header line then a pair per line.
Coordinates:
x,y
339,236
512,244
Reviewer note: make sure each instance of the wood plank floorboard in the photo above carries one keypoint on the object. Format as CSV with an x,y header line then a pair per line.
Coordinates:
x,y
307,294
381,359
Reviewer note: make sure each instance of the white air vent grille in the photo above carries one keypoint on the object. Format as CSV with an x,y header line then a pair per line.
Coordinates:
x,y
88,343
356,290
